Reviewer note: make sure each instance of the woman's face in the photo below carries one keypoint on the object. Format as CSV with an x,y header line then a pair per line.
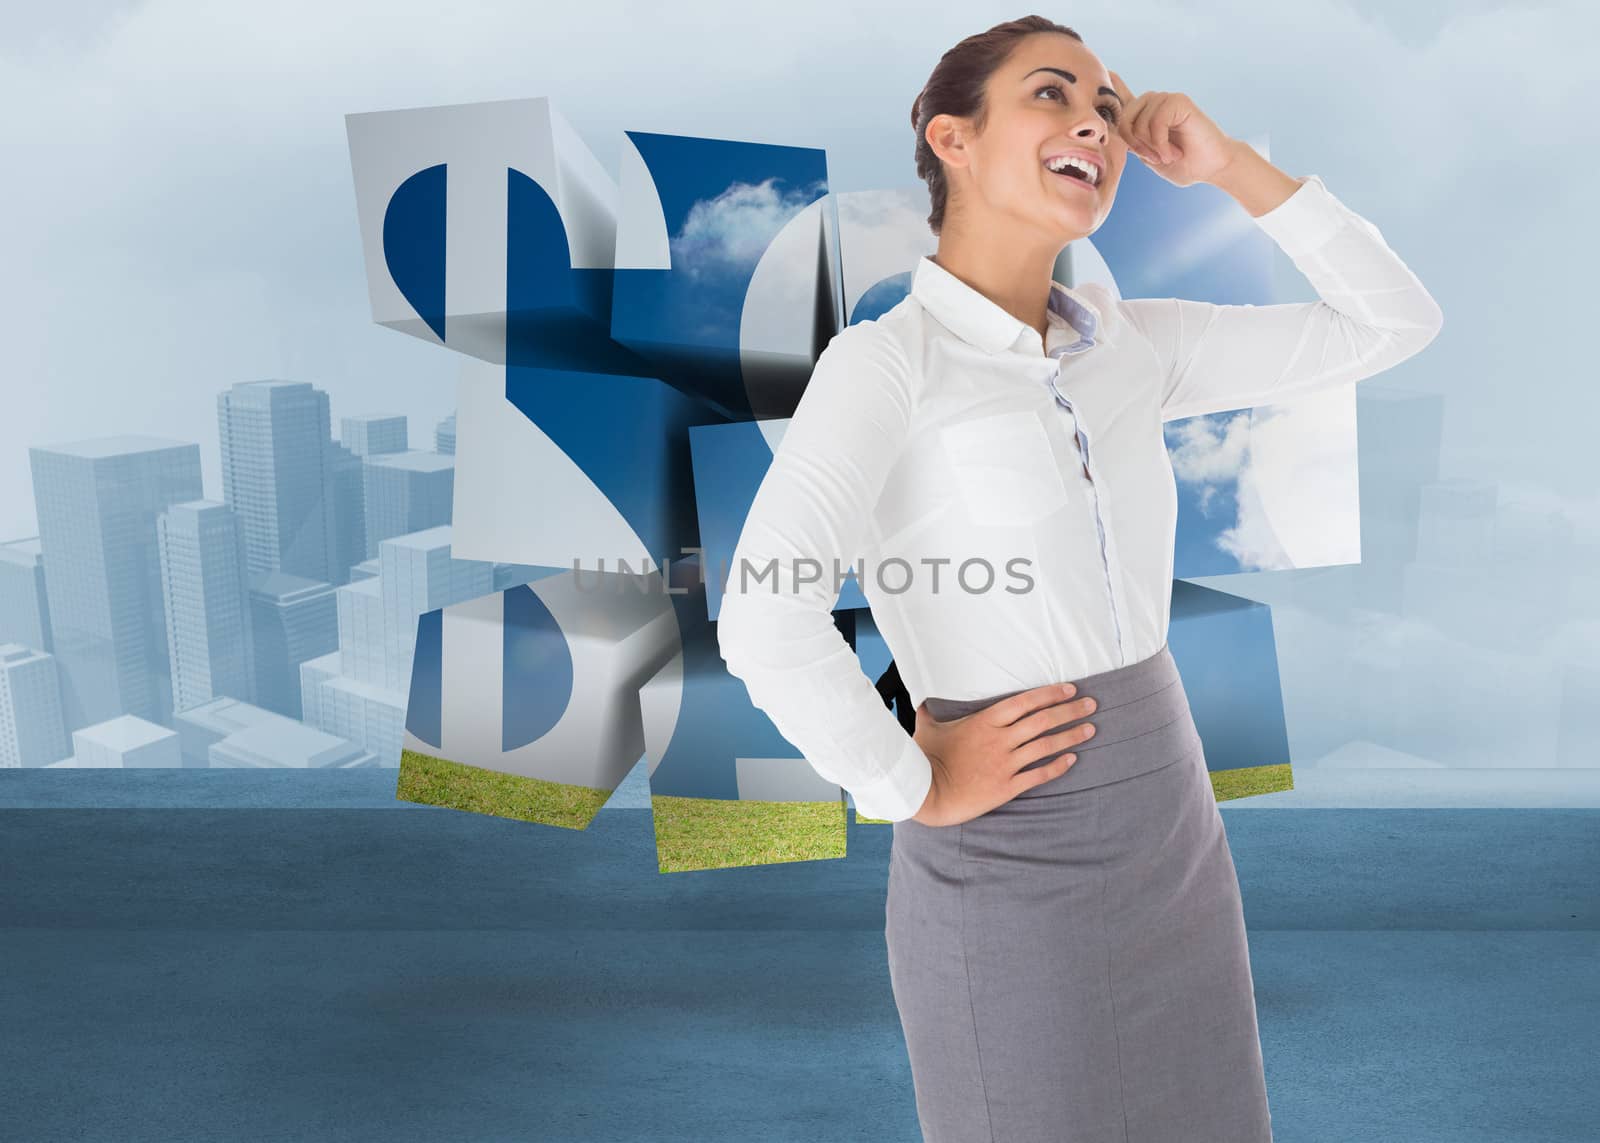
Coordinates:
x,y
1036,114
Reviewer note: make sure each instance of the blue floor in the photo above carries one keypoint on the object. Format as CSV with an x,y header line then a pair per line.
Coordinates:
x,y
222,955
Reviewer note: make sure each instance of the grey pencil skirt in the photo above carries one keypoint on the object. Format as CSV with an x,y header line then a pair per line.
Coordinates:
x,y
1071,967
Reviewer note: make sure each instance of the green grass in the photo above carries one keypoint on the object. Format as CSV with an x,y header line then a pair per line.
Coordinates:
x,y
439,782
698,833
1247,781
717,833
691,833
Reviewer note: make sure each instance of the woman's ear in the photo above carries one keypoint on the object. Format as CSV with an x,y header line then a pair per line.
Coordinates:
x,y
947,136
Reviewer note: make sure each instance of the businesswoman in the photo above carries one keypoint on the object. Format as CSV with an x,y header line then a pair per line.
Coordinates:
x,y
1065,937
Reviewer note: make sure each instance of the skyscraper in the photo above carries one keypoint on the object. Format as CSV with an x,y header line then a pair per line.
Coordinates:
x,y
406,492
444,436
31,730
359,691
284,476
373,434
97,502
205,591
347,494
24,605
293,619
419,574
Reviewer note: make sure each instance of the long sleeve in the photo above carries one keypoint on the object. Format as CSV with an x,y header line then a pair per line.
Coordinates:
x,y
1373,314
775,630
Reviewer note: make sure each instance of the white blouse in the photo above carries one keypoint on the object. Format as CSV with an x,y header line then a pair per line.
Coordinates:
x,y
1009,505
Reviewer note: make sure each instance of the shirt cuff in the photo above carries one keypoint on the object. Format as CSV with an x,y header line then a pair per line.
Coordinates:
x,y
900,793
1307,219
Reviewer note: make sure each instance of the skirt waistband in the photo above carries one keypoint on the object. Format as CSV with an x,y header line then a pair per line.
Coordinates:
x,y
1141,718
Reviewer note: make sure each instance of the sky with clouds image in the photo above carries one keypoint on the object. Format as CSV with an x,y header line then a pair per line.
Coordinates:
x,y
179,216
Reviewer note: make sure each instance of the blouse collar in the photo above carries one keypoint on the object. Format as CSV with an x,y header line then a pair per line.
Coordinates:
x,y
974,318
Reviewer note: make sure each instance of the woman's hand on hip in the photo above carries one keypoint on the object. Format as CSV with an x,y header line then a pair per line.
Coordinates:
x,y
978,760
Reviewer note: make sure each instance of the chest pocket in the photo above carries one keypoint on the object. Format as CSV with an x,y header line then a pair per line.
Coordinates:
x,y
1004,468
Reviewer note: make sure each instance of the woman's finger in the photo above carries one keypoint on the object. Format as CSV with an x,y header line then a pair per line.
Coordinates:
x,y
1130,107
1158,125
1126,130
1162,127
1140,127
1128,101
1170,116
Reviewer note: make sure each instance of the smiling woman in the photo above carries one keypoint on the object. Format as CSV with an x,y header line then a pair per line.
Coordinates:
x,y
1065,932
1071,963
958,88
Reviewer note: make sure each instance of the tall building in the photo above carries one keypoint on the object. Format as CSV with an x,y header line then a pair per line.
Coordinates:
x,y
293,619
418,575
373,434
97,502
444,436
359,692
24,606
32,732
369,715
347,494
206,595
284,476
361,642
407,492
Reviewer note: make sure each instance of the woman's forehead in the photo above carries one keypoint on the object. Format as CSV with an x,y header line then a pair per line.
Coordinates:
x,y
1055,50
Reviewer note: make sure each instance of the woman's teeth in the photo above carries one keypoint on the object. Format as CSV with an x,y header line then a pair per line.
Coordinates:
x,y
1075,168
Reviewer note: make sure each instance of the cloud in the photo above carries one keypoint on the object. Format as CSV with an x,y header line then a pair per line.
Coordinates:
x,y
730,232
1208,452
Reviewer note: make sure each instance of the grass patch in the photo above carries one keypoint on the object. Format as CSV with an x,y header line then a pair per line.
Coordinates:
x,y
691,833
718,833
432,781
1249,780
698,833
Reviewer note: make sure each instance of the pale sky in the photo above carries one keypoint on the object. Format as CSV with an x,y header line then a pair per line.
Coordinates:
x,y
178,215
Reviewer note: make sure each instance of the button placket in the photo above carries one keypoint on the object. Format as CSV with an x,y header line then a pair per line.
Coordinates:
x,y
1082,438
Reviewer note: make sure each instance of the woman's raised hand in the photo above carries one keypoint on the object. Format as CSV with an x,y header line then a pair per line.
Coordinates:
x,y
1175,138
977,759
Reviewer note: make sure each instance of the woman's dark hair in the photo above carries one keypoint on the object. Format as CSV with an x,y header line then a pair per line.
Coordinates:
x,y
956,88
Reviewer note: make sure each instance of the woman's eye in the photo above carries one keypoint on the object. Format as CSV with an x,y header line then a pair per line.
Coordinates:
x,y
1109,109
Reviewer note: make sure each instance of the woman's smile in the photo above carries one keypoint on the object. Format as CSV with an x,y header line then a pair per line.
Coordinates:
x,y
1083,167
1078,163
1076,179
